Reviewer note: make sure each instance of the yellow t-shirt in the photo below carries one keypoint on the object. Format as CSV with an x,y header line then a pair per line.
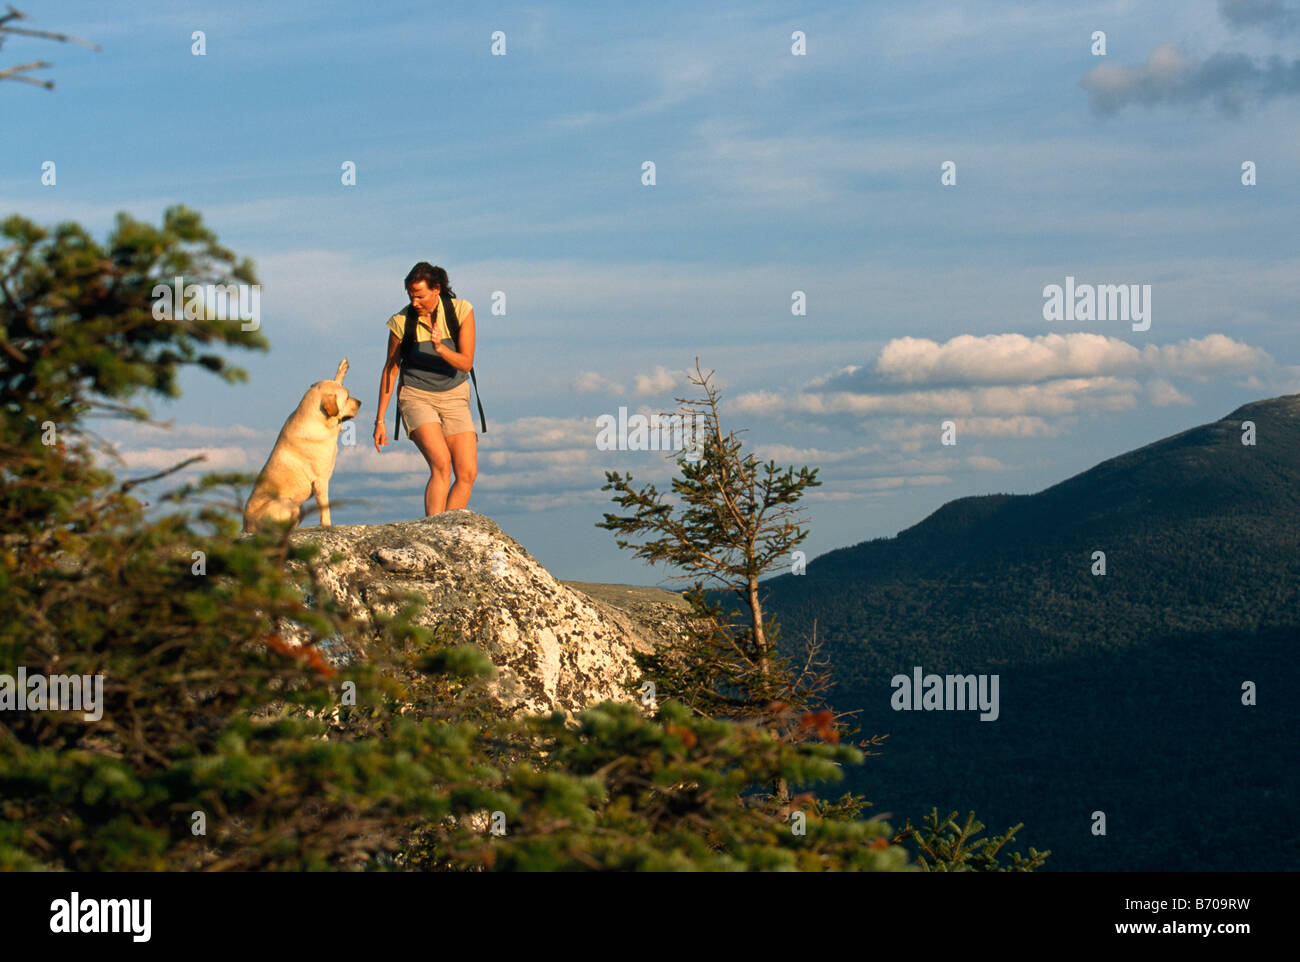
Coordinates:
x,y
397,323
427,371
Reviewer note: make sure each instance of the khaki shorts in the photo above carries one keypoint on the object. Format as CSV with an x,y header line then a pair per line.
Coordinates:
x,y
450,409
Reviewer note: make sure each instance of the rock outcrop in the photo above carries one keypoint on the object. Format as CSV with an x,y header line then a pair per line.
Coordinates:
x,y
554,646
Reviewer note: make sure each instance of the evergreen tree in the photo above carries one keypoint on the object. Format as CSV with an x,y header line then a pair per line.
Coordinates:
x,y
946,846
737,522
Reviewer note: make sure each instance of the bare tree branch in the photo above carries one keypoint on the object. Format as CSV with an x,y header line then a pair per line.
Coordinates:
x,y
19,72
12,73
45,34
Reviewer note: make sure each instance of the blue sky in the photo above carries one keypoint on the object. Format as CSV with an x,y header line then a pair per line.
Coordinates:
x,y
774,173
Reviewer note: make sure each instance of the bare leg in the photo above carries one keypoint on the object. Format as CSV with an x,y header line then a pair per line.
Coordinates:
x,y
464,458
428,438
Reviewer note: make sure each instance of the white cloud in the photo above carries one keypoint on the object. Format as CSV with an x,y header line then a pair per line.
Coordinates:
x,y
1020,426
1213,356
1172,77
661,381
589,382
853,488
1002,358
1065,396
1006,385
542,433
564,458
980,462
1283,379
1160,393
786,454
822,379
216,459
1015,358
544,501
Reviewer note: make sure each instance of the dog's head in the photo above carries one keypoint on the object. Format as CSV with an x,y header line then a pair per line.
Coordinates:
x,y
335,400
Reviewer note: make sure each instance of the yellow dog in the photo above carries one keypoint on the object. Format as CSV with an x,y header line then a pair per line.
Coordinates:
x,y
302,460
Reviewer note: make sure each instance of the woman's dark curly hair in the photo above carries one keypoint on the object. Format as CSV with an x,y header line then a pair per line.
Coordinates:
x,y
431,275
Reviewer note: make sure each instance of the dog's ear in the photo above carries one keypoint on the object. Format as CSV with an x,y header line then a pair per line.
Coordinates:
x,y
329,403
343,369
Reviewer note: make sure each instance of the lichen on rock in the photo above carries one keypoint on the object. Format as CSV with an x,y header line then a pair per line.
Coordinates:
x,y
554,647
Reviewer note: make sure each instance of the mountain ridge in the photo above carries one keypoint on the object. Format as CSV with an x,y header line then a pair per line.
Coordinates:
x,y
1114,482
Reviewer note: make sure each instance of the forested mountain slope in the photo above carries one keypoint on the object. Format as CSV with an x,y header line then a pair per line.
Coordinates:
x,y
1120,692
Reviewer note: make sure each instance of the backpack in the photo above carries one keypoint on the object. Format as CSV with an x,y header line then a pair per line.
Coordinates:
x,y
408,342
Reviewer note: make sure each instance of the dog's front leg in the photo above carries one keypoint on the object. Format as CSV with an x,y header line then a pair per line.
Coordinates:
x,y
321,489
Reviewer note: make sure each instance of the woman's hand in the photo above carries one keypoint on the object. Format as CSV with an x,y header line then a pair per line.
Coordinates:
x,y
381,437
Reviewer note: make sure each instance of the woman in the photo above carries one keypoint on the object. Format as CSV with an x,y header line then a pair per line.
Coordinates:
x,y
433,396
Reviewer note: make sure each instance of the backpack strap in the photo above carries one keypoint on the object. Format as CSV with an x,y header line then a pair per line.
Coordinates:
x,y
453,328
408,341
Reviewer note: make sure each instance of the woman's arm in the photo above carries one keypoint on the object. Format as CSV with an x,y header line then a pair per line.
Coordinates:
x,y
463,359
389,376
